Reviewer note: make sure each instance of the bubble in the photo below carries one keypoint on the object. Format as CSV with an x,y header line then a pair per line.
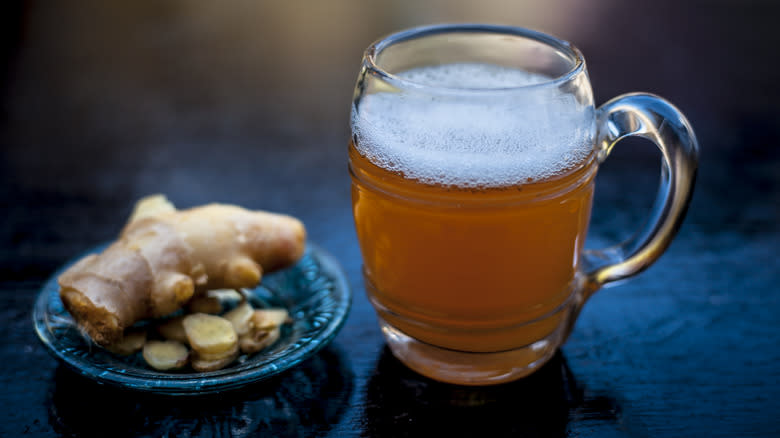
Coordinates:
x,y
474,140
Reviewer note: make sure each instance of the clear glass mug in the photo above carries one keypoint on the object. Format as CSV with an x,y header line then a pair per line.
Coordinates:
x,y
473,156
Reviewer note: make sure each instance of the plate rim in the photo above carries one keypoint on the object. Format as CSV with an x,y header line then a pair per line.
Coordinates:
x,y
189,384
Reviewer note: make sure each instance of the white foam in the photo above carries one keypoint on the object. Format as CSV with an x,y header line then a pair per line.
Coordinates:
x,y
490,140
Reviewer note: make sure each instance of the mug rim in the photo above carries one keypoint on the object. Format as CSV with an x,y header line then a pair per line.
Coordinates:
x,y
370,55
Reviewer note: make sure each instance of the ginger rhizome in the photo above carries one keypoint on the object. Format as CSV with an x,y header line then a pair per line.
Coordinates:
x,y
164,257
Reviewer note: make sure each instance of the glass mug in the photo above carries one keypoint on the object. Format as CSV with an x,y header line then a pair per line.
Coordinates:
x,y
473,156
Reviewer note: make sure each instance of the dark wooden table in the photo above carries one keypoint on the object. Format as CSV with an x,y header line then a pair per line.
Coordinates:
x,y
247,102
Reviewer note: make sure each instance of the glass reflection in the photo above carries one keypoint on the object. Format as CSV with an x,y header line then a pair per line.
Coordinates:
x,y
399,402
307,400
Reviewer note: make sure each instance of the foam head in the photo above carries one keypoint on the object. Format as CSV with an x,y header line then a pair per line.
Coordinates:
x,y
473,139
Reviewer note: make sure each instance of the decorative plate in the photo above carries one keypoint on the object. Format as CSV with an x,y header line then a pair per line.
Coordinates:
x,y
314,291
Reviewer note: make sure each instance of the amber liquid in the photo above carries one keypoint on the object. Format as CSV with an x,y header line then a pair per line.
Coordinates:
x,y
471,270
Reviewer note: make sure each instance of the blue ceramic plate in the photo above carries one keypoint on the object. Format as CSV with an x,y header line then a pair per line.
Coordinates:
x,y
314,291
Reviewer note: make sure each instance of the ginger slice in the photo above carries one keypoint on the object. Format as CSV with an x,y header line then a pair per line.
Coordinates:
x,y
173,330
165,355
269,318
205,304
209,334
215,356
131,343
240,317
257,340
264,329
229,296
203,365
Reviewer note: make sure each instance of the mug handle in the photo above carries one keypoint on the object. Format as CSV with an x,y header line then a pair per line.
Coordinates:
x,y
651,117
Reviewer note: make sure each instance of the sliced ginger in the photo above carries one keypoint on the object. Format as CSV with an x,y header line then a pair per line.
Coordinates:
x,y
269,318
216,341
240,317
173,330
257,340
201,364
229,296
131,343
165,355
263,329
205,304
209,334
216,356
213,340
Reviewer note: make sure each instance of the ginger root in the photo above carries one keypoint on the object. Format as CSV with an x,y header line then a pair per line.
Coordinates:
x,y
164,257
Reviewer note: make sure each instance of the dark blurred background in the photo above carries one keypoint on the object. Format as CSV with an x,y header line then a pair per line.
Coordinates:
x,y
248,102
104,102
